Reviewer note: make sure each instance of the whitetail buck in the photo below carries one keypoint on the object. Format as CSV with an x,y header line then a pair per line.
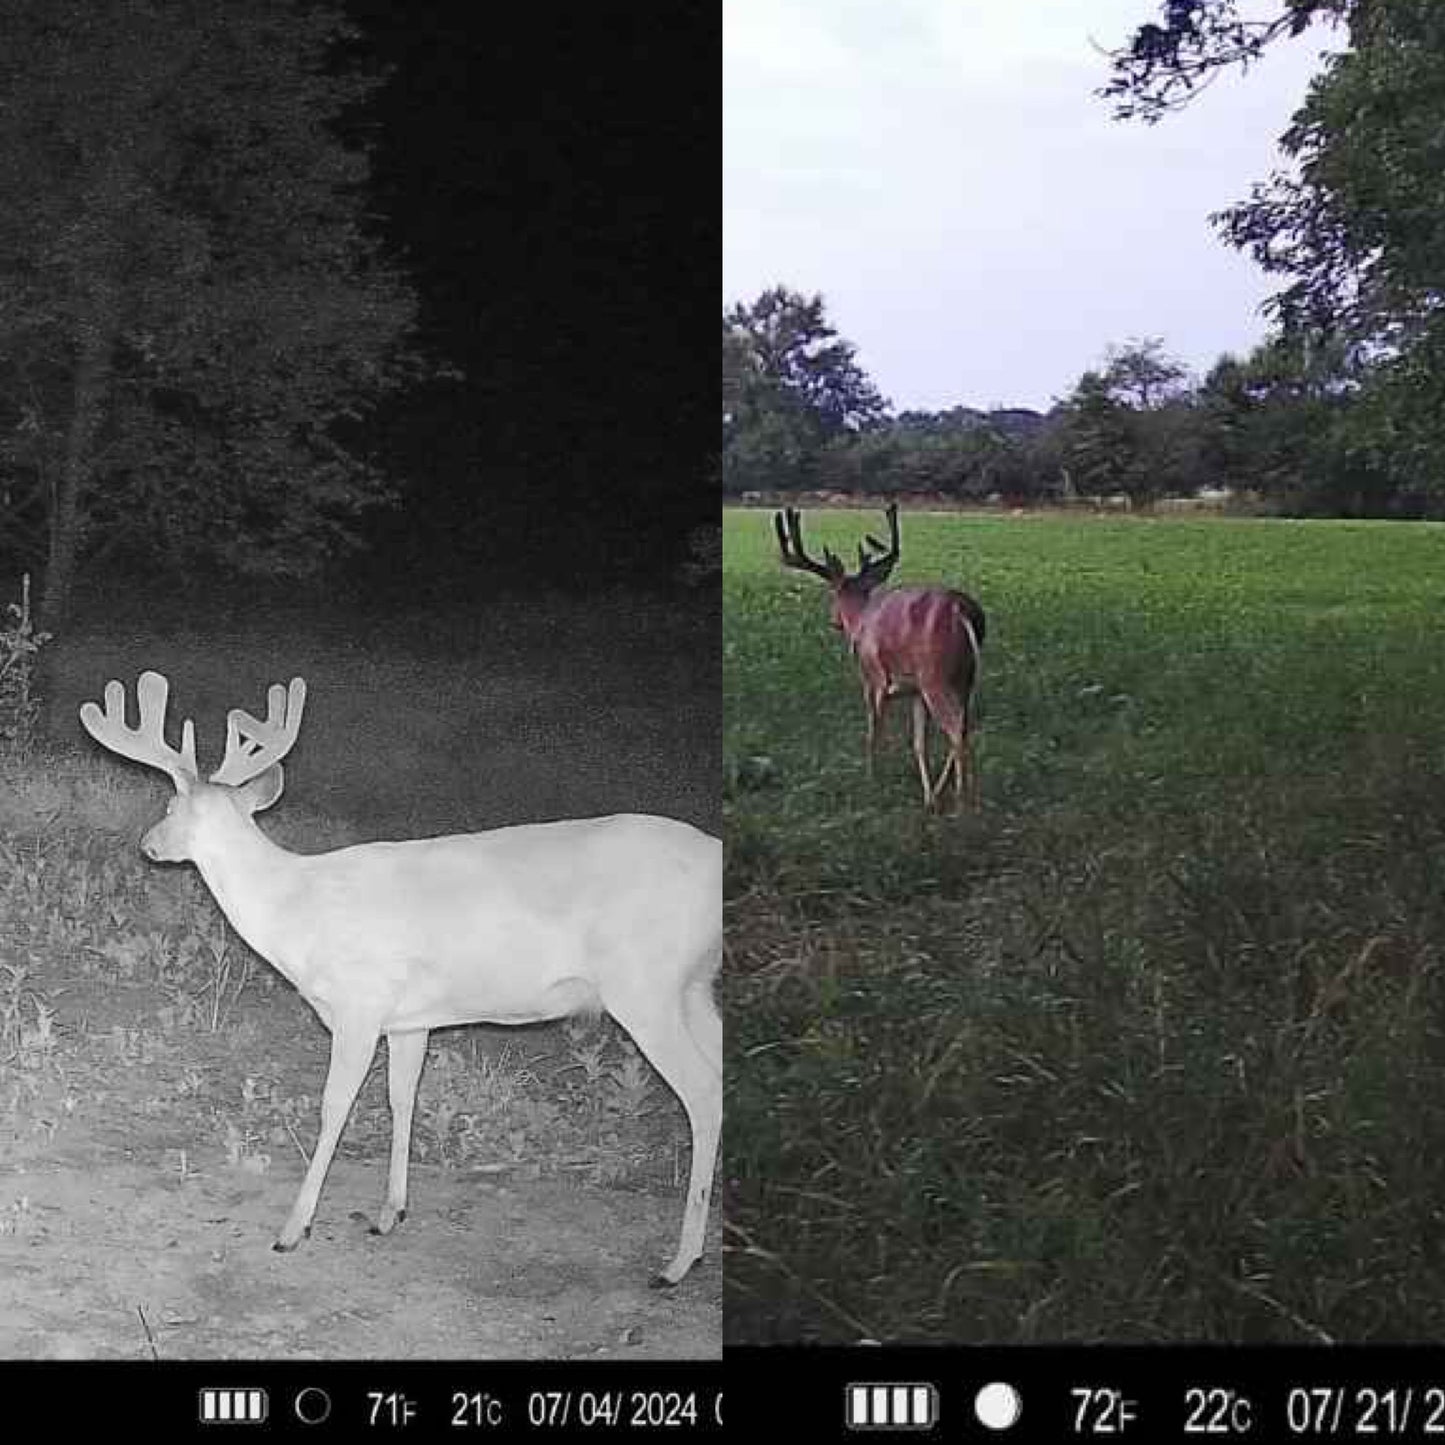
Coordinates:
x,y
918,642
622,913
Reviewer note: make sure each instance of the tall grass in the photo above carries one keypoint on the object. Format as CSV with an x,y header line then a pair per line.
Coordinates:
x,y
1152,1048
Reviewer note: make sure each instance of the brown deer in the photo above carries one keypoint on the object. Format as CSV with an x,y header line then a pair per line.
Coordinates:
x,y
918,642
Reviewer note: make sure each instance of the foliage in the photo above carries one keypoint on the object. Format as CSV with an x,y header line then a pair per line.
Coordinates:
x,y
1141,374
790,385
791,348
703,567
1352,226
1099,441
1307,424
1130,428
1355,227
1166,62
1357,219
195,313
20,643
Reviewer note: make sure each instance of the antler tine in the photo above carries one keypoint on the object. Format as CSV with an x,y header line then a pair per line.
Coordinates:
x,y
876,569
253,745
833,568
868,559
780,528
145,743
789,526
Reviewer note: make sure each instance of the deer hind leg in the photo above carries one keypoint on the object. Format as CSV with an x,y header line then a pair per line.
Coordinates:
x,y
681,1036
352,1048
704,1022
951,715
920,750
405,1054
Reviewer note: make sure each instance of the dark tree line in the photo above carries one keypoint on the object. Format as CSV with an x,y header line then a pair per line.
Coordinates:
x,y
296,289
1280,429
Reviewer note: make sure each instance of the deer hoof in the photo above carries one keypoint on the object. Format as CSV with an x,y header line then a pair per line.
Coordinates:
x,y
385,1227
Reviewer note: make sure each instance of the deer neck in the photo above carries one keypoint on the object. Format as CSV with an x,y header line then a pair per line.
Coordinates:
x,y
852,610
249,877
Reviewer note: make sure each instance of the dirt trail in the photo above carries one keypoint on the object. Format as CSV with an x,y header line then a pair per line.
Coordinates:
x,y
126,1231
108,1259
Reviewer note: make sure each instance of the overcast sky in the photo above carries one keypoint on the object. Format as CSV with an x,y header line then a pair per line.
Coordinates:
x,y
980,227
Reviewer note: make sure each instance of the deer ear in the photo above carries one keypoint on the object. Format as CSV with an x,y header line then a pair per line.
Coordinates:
x,y
262,790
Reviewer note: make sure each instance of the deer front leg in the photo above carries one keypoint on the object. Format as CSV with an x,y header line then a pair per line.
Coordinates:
x,y
352,1046
876,702
405,1055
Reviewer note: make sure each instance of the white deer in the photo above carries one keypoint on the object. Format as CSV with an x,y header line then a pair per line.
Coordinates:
x,y
520,924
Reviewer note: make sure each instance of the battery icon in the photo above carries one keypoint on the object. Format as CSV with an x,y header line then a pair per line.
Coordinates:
x,y
233,1407
891,1407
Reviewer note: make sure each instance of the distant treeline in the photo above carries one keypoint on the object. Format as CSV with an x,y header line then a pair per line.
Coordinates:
x,y
1292,428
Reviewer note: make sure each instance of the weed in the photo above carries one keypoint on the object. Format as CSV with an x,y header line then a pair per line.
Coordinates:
x,y
20,642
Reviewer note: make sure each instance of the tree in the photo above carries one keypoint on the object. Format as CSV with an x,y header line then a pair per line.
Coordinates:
x,y
1358,224
738,372
1129,427
194,312
794,349
1099,444
791,386
1269,420
1356,227
1141,375
1164,65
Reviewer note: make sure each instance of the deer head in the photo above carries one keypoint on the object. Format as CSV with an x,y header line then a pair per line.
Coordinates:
x,y
852,591
248,780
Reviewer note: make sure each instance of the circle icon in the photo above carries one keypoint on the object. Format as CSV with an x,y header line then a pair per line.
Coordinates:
x,y
998,1406
312,1405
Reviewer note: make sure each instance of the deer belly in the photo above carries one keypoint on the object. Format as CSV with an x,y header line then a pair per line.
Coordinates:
x,y
510,978
432,976
559,999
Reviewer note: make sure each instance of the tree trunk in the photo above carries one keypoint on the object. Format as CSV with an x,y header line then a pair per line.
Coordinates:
x,y
67,510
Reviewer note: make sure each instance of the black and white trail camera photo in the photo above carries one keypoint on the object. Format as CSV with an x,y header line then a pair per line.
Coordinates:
x,y
360,857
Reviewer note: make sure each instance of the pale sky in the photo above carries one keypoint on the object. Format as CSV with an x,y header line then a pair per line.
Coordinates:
x,y
980,227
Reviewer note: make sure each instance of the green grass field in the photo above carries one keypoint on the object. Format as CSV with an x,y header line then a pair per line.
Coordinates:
x,y
1153,1048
